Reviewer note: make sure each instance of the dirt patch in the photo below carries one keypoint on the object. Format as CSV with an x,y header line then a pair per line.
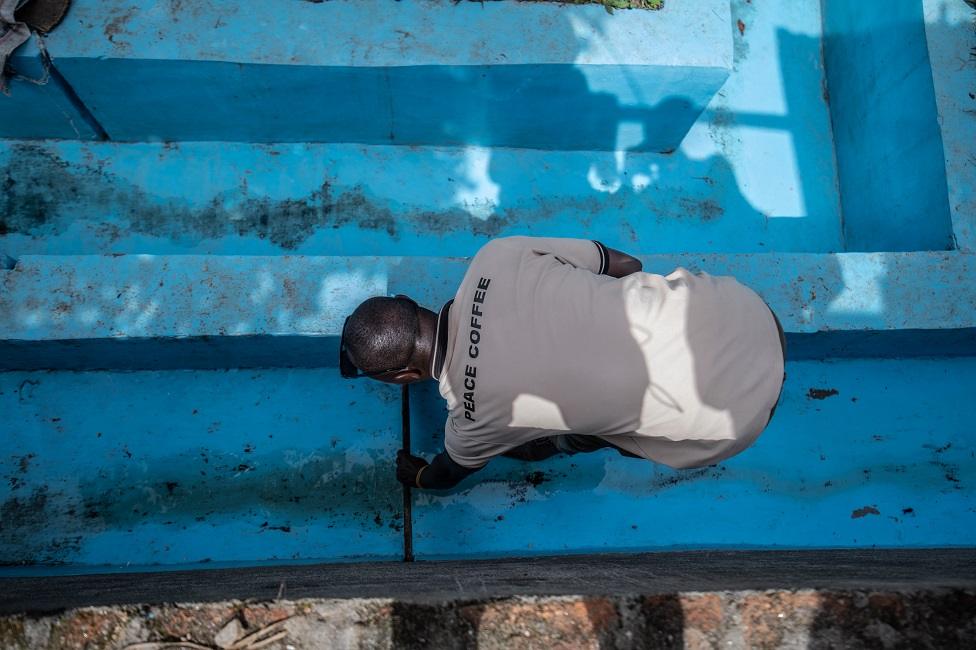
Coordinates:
x,y
821,393
864,512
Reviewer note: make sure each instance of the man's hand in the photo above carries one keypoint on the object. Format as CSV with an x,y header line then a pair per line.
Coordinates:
x,y
408,467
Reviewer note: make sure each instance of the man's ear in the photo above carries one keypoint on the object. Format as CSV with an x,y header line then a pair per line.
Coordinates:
x,y
406,376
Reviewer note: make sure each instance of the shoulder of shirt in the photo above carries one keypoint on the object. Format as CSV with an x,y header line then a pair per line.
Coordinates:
x,y
506,243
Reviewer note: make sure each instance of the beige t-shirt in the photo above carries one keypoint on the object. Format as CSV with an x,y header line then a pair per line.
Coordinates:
x,y
681,369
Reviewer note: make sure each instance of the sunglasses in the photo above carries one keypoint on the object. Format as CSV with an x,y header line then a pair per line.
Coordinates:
x,y
348,369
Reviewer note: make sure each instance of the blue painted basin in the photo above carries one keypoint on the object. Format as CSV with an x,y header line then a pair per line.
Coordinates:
x,y
170,314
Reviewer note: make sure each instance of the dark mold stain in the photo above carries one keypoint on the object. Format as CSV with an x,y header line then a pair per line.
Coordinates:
x,y
118,26
864,512
536,478
687,475
27,536
17,512
26,389
821,393
705,209
41,191
949,471
283,529
908,511
46,526
24,463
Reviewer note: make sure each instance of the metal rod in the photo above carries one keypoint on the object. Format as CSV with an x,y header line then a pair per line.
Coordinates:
x,y
407,500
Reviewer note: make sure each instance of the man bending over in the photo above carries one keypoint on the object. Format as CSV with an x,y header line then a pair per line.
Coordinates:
x,y
564,346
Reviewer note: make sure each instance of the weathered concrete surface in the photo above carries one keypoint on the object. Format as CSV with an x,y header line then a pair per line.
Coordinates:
x,y
950,34
37,103
890,159
756,173
770,619
415,72
94,311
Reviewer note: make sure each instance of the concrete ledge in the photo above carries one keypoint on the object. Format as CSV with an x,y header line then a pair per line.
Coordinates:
x,y
620,604
533,75
646,573
226,311
40,104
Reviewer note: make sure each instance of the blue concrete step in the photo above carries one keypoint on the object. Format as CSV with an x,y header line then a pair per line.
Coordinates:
x,y
197,468
414,72
231,198
184,311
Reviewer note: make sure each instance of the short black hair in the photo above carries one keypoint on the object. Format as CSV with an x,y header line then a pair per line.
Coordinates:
x,y
380,334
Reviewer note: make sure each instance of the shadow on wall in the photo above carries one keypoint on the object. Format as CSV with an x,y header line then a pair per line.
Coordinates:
x,y
590,622
914,619
688,200
815,620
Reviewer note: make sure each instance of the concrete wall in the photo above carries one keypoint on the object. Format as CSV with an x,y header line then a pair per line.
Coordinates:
x,y
883,111
415,72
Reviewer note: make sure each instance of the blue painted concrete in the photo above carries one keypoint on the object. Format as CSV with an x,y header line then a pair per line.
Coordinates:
x,y
883,109
199,310
414,72
186,467
949,31
68,198
291,235
177,468
37,104
889,460
756,173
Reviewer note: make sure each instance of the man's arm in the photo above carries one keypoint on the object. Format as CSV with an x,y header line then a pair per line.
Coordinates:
x,y
619,263
441,474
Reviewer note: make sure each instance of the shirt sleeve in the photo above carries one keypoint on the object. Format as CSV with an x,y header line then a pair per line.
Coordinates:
x,y
581,253
468,452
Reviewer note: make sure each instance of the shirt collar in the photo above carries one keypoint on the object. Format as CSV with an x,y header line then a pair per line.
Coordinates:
x,y
440,341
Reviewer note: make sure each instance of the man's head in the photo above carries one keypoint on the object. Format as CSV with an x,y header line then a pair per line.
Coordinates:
x,y
384,339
